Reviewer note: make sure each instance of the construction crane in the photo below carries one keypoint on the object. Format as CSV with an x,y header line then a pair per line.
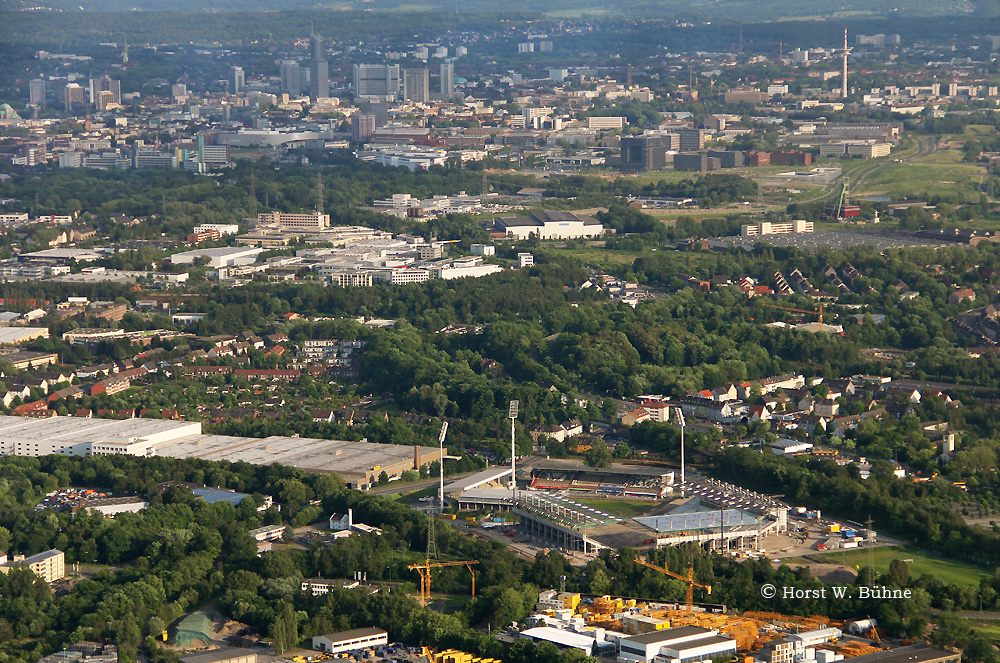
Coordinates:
x,y
425,575
873,632
688,580
799,310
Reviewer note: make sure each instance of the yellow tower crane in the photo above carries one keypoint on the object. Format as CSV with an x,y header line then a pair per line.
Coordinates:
x,y
688,580
425,575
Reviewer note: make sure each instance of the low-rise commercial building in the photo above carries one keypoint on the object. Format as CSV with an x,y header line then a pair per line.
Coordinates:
x,y
548,224
683,644
359,638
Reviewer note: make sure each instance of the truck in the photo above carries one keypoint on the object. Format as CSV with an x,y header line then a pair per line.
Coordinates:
x,y
830,529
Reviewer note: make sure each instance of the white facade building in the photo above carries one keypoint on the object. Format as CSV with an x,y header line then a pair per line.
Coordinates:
x,y
221,257
360,638
783,228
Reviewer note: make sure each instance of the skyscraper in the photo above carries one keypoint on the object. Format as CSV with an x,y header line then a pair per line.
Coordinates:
x,y
237,80
291,78
319,69
362,127
105,84
72,96
416,85
36,92
376,80
447,79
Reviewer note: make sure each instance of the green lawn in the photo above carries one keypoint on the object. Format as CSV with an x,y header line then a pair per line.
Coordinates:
x,y
920,180
620,508
949,571
987,628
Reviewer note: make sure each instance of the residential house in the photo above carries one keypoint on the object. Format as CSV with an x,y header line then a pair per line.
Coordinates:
x,y
636,417
322,416
960,296
826,408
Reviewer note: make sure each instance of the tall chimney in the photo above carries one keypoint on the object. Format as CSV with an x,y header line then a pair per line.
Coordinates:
x,y
844,88
416,457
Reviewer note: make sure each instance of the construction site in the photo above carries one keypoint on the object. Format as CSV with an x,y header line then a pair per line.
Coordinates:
x,y
767,636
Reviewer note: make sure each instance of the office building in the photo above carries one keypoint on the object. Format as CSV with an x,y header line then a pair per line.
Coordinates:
x,y
416,86
150,157
319,69
557,75
728,158
311,221
291,78
780,228
105,100
72,96
376,80
447,79
691,140
237,80
36,92
362,127
644,152
105,84
602,122
698,161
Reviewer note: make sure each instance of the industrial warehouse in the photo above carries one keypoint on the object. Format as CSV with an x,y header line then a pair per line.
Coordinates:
x,y
359,464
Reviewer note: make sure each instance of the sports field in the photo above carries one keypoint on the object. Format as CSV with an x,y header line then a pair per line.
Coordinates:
x,y
949,571
620,508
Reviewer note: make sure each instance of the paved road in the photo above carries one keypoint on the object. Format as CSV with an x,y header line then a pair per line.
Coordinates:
x,y
412,487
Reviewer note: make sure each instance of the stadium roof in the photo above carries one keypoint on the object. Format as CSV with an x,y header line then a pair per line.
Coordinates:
x,y
699,520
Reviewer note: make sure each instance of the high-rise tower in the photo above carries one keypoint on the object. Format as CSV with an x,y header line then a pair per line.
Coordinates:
x,y
447,79
319,69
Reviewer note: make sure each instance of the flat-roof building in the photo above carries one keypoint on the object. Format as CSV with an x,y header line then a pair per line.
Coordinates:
x,y
359,638
50,565
221,257
224,655
357,463
910,654
685,643
550,224
18,335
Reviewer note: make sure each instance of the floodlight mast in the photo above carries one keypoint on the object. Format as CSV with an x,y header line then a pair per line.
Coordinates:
x,y
444,432
512,414
680,420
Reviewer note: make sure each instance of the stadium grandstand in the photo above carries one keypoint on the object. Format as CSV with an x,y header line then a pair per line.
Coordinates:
x,y
631,481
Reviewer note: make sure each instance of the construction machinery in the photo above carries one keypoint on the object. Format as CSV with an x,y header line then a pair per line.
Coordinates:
x,y
799,310
688,580
873,632
425,575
